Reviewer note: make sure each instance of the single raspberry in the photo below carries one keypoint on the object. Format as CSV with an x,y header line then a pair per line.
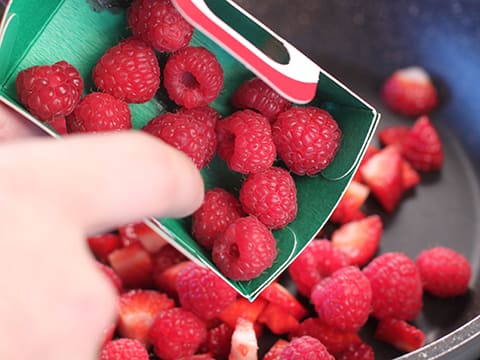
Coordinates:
x,y
336,341
128,71
319,260
219,341
193,77
49,91
271,196
254,94
305,347
159,24
422,146
176,333
165,258
245,142
396,286
359,351
444,271
112,276
202,292
409,91
99,112
124,349
343,300
245,249
400,334
59,125
219,209
307,139
204,114
195,138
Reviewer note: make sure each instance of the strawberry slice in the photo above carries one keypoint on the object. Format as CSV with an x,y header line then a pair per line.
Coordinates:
x,y
167,257
166,280
410,92
103,245
383,174
242,308
244,344
359,239
138,309
276,350
141,232
371,150
410,176
349,206
422,147
277,319
400,334
277,294
393,135
133,264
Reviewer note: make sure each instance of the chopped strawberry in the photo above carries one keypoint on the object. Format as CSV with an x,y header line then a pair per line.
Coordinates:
x,y
371,150
112,276
166,257
423,147
102,245
400,334
359,239
166,280
383,174
277,294
277,319
218,341
393,135
410,92
151,241
244,342
410,176
276,350
133,264
138,309
242,308
349,206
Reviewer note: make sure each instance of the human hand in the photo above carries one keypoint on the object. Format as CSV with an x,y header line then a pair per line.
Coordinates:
x,y
53,193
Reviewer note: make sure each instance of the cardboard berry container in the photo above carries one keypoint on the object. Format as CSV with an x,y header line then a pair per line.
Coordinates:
x,y
35,32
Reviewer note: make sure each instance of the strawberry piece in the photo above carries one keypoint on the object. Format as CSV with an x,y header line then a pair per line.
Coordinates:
x,y
137,310
393,135
335,341
400,334
242,308
165,258
114,278
277,294
410,92
275,352
277,320
141,232
349,206
166,281
359,239
219,340
371,150
383,174
410,176
244,342
423,147
133,264
103,245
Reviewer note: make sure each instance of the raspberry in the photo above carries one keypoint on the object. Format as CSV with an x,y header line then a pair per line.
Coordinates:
x,y
193,77
124,349
256,95
202,292
305,347
195,138
128,71
245,249
400,334
176,333
359,351
219,340
271,196
204,114
219,209
444,271
307,139
343,300
99,112
245,142
396,286
159,24
319,259
49,91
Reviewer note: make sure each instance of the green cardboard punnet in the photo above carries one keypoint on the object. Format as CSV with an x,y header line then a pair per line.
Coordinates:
x,y
35,32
